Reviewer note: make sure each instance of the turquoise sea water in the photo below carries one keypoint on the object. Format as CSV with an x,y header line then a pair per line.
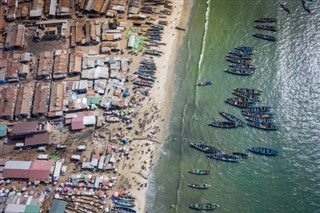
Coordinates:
x,y
288,72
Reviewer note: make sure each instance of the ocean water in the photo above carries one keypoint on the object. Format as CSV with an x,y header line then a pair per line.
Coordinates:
x,y
288,72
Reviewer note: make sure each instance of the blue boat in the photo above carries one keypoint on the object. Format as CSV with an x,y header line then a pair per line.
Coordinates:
x,y
241,52
246,95
263,150
260,120
242,66
259,114
206,83
225,157
232,118
244,48
257,109
123,209
265,37
123,203
263,126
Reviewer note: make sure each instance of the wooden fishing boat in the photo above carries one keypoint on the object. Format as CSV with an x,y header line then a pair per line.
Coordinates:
x,y
153,52
238,61
143,83
259,114
246,95
123,209
266,27
199,171
246,48
222,124
266,20
241,52
232,118
149,67
285,7
206,83
145,73
147,77
240,154
123,203
247,90
239,104
236,71
261,120
238,56
199,185
263,150
243,66
265,37
205,148
204,206
258,109
224,157
263,126
241,99
128,196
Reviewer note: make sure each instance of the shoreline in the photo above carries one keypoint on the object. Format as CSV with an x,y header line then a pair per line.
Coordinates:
x,y
135,173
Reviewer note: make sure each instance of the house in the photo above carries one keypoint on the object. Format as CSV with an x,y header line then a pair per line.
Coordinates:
x,y
12,67
45,65
58,206
8,95
56,100
75,63
40,170
24,100
131,41
23,129
41,99
77,123
15,37
40,139
60,65
16,169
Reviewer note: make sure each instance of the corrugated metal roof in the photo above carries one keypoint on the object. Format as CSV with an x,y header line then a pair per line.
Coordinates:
x,y
58,206
32,209
13,164
15,208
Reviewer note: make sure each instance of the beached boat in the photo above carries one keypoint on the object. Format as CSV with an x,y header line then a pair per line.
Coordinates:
x,y
153,52
266,20
223,124
257,109
238,61
199,185
263,126
199,171
266,27
128,196
241,52
147,77
123,209
263,150
245,48
232,118
243,56
205,148
236,71
259,114
246,95
204,206
248,90
240,154
285,7
224,157
143,83
265,37
205,83
261,120
123,203
243,66
240,104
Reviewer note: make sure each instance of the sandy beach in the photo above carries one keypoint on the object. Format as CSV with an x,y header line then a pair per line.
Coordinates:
x,y
156,110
